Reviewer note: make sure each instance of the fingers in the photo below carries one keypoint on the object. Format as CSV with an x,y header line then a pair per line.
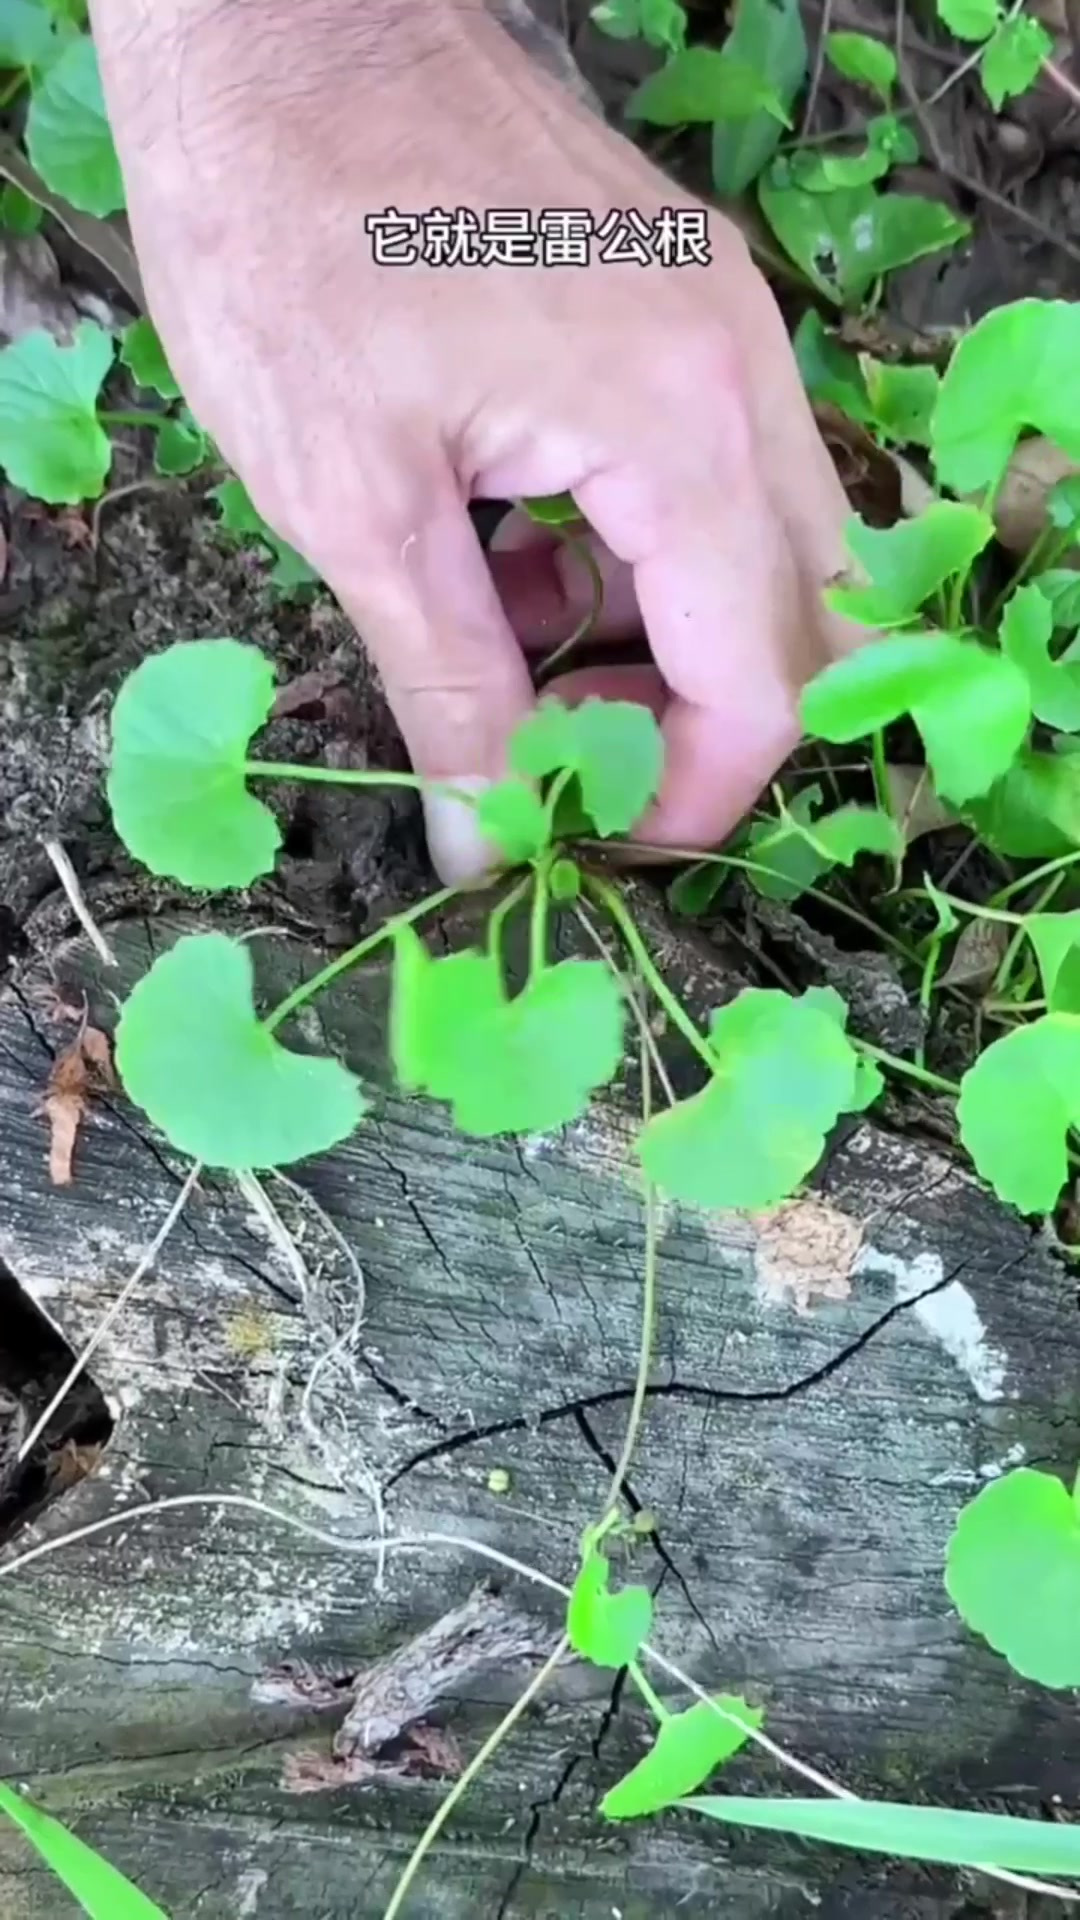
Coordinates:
x,y
722,604
547,588
427,611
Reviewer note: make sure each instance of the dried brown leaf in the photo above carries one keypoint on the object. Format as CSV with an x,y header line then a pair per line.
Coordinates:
x,y
913,802
977,955
76,1075
1020,507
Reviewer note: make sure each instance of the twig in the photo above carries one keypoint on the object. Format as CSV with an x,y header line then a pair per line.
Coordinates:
x,y
69,880
428,1542
475,1767
633,1000
1061,80
146,1261
150,484
819,65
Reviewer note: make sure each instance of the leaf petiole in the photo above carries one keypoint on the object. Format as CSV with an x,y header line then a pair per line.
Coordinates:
x,y
354,777
538,922
307,990
135,417
499,915
582,551
1026,880
606,896
907,1068
648,1693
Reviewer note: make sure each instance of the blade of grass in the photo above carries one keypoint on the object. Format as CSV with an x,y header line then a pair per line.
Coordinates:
x,y
101,1891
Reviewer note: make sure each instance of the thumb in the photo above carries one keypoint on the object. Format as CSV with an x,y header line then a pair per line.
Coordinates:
x,y
426,608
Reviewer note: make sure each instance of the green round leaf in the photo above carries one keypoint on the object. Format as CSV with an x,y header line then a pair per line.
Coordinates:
x,y
785,1071
1056,940
604,1627
181,728
971,706
27,34
182,446
688,1748
50,442
1027,628
525,1065
513,816
1033,812
906,564
1013,1574
191,1052
142,352
1015,368
1016,1106
614,746
67,133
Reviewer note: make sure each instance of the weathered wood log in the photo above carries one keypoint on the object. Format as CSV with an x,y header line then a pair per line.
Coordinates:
x,y
831,1383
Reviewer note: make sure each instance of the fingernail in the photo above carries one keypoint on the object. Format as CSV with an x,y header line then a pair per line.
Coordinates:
x,y
459,852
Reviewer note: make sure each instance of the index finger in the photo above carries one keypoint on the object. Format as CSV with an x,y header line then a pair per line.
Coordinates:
x,y
722,603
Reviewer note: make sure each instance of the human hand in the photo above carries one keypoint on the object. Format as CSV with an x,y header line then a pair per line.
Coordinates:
x,y
364,405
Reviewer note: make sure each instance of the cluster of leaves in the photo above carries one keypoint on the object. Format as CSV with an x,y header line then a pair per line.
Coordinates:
x,y
54,439
193,1053
55,430
1014,44
45,49
1026,1517
823,203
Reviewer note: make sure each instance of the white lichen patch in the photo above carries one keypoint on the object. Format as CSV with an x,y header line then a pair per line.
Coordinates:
x,y
950,1315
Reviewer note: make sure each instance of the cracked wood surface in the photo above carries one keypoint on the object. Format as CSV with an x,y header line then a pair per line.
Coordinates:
x,y
830,1384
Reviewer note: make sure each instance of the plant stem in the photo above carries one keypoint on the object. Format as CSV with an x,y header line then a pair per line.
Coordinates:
x,y
742,865
1008,958
475,1767
1032,879
881,773
648,1310
648,1693
907,1068
307,990
353,777
954,612
134,417
15,85
581,549
538,922
558,788
607,897
498,916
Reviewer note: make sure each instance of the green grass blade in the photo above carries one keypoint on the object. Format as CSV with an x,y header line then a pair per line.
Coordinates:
x,y
101,1891
956,1839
